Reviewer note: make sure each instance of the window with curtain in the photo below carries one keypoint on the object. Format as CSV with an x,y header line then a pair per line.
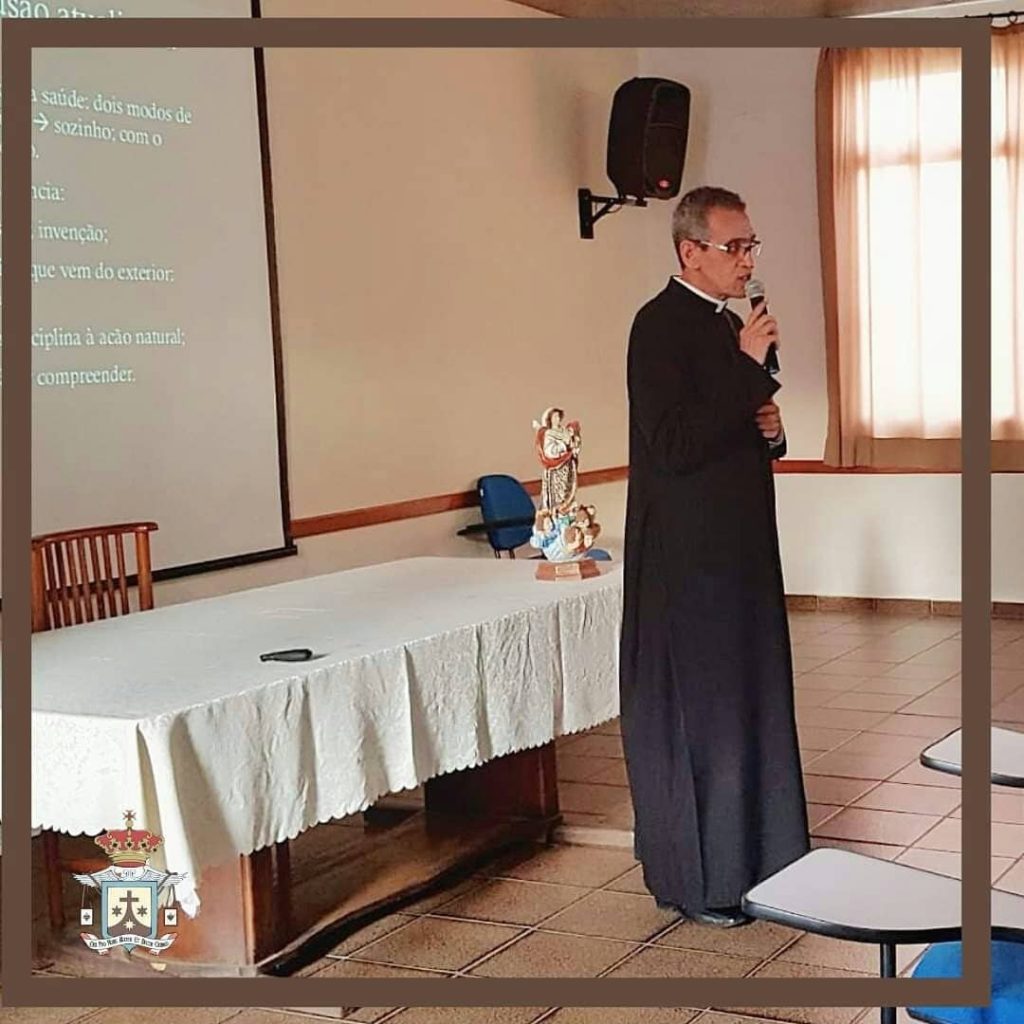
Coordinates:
x,y
1008,236
889,147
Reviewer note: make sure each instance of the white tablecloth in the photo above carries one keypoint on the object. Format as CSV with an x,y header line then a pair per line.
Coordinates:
x,y
425,666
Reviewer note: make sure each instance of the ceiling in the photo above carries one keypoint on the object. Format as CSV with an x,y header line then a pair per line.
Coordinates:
x,y
754,8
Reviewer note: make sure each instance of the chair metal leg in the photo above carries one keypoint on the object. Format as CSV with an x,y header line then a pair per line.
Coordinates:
x,y
888,1013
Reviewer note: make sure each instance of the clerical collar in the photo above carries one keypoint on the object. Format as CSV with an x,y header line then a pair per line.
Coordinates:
x,y
719,304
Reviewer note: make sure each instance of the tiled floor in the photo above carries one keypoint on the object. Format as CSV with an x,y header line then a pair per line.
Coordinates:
x,y
872,690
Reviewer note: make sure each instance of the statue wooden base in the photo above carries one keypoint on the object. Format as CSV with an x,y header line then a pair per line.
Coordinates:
x,y
581,570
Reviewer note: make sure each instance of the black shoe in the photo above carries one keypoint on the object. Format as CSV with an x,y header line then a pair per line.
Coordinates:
x,y
722,917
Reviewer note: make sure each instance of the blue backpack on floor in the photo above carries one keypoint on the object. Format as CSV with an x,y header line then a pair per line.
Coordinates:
x,y
943,960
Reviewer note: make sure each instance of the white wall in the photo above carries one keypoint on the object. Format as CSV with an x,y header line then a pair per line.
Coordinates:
x,y
435,294
752,130
841,535
429,535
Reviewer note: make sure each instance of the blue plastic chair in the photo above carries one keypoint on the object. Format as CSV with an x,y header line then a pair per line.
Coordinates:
x,y
508,515
944,960
503,499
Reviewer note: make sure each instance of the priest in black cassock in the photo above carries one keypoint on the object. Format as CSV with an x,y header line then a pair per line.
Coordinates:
x,y
706,675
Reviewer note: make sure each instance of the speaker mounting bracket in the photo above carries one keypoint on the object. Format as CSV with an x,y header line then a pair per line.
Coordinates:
x,y
587,202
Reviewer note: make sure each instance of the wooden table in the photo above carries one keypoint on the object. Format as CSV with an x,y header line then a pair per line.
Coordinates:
x,y
453,674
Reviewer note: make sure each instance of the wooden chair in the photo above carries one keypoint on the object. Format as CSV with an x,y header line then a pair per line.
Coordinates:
x,y
80,576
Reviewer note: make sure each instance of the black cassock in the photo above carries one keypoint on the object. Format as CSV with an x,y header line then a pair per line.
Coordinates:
x,y
706,676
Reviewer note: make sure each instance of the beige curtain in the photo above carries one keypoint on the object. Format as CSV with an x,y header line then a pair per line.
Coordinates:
x,y
1008,239
888,137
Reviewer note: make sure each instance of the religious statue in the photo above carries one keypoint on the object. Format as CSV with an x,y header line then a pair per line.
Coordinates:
x,y
558,448
563,530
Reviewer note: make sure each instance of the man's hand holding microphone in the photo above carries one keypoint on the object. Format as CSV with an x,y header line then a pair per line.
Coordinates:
x,y
759,339
759,333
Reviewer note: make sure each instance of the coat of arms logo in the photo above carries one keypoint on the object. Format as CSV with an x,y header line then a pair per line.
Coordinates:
x,y
132,894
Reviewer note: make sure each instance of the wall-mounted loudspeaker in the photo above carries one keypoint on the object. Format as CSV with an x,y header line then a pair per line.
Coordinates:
x,y
647,137
646,147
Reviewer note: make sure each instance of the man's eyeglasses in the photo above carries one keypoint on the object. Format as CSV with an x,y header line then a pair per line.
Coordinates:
x,y
737,247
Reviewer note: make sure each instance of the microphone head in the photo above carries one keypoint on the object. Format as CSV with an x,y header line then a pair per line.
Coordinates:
x,y
754,290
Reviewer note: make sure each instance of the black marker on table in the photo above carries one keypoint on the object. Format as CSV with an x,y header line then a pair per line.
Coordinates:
x,y
289,654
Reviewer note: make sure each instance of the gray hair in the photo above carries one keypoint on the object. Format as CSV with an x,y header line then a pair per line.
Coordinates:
x,y
690,217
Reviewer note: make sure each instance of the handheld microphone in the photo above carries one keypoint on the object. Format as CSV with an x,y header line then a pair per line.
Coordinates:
x,y
755,292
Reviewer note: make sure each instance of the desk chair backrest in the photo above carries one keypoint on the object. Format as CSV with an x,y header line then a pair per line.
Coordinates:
x,y
504,497
82,575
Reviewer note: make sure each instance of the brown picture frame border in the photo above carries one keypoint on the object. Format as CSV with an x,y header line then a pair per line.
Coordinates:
x,y
21,38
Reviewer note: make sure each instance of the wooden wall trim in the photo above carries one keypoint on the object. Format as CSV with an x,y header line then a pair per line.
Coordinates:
x,y
817,466
896,606
374,515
